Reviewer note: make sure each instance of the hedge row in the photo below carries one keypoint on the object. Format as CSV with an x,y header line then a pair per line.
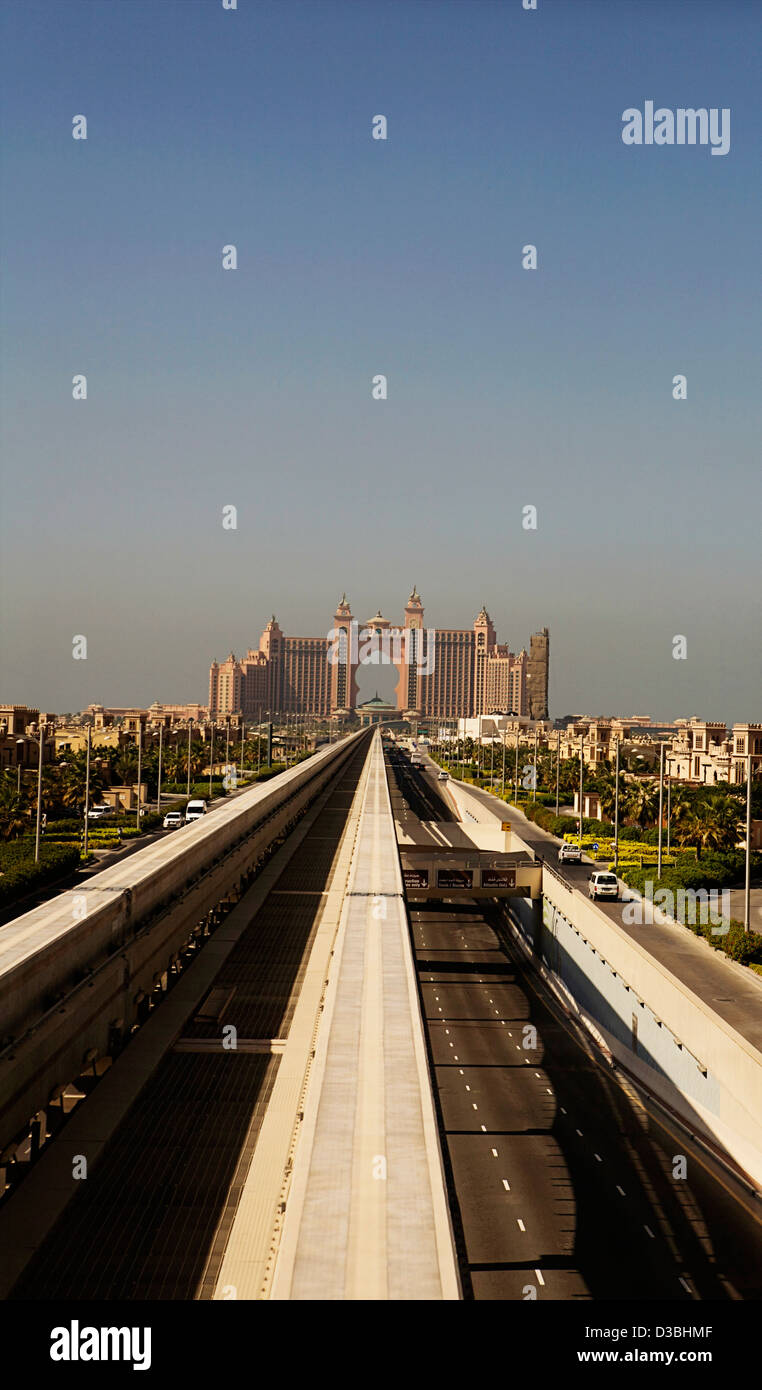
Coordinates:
x,y
25,876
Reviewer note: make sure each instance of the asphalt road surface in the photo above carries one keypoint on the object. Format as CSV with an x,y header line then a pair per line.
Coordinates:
x,y
561,1176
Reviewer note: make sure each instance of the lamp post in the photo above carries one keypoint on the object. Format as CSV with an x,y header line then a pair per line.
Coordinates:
x,y
558,764
39,797
190,722
158,786
87,791
502,784
534,779
140,765
243,733
616,809
581,781
227,742
669,802
747,883
20,743
516,779
211,761
661,804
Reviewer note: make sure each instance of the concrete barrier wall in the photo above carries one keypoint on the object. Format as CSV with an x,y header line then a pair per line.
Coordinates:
x,y
138,914
647,1019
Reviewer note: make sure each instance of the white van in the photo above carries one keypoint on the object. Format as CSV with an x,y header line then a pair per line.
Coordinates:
x,y
194,811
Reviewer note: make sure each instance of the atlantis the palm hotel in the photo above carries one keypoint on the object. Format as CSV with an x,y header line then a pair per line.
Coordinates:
x,y
442,673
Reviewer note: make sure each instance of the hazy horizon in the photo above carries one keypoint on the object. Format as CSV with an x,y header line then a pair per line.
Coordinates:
x,y
252,387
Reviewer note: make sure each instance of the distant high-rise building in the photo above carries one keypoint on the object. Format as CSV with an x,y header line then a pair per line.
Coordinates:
x,y
537,674
443,673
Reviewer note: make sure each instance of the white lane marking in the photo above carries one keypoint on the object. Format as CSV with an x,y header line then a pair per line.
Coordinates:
x,y
581,1135
547,1088
521,1225
600,1160
502,1021
537,1074
540,1279
563,1112
620,1190
650,1232
447,1031
460,1069
484,1127
468,1088
506,1185
473,1102
510,1034
687,1287
451,1044
494,1153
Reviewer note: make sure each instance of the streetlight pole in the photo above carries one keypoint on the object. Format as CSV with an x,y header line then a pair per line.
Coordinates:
x,y
158,787
516,791
243,733
616,810
39,797
20,743
558,764
211,762
747,884
87,790
190,722
502,784
227,744
140,765
669,801
581,781
661,803
534,779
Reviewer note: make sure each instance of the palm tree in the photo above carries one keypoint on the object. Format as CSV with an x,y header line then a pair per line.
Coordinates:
x,y
606,788
15,808
713,824
73,783
642,803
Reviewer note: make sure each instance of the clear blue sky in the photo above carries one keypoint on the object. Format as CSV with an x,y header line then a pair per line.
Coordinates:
x,y
506,387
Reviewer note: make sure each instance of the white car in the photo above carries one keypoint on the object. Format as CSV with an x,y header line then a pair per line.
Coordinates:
x,y
604,885
194,811
442,777
570,854
98,812
173,819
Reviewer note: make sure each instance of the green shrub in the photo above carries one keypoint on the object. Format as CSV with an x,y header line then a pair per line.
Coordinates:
x,y
24,876
745,947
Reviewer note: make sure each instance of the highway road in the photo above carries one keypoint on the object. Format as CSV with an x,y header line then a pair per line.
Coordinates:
x,y
560,1176
733,997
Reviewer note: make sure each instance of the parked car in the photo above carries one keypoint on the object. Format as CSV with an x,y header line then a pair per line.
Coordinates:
x,y
98,812
195,810
173,819
604,885
570,854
